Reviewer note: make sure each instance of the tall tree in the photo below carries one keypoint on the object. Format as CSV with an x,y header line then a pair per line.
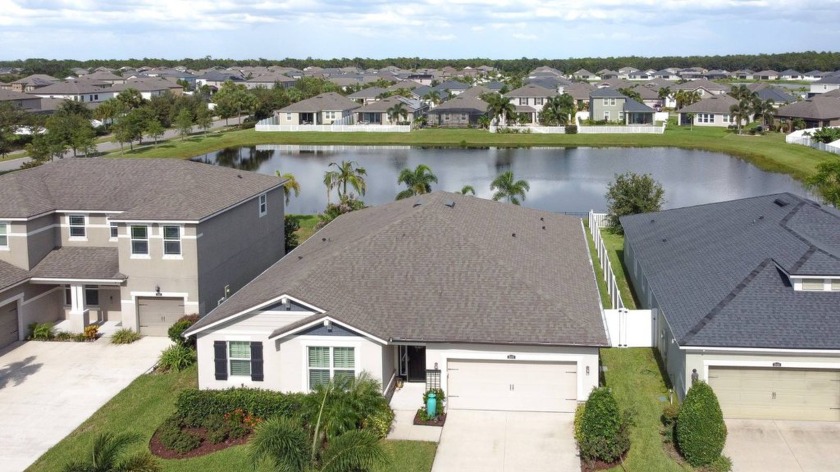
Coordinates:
x,y
396,112
290,186
508,188
154,129
741,111
558,110
346,173
131,98
631,193
184,123
826,181
204,119
764,110
499,108
418,181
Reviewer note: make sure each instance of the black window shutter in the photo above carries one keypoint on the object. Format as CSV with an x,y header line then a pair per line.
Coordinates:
x,y
257,361
220,355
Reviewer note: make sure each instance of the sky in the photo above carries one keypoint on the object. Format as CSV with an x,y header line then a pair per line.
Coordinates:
x,y
438,29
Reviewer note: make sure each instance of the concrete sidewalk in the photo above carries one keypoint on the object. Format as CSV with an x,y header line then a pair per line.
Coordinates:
x,y
47,389
782,446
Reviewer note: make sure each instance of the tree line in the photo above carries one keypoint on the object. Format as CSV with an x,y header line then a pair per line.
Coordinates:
x,y
802,61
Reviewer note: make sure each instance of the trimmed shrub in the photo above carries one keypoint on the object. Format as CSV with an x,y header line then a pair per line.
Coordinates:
x,y
380,422
176,358
125,336
41,331
604,433
193,405
701,432
721,464
178,328
174,439
579,420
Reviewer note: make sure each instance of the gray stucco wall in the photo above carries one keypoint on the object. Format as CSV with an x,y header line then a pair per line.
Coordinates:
x,y
41,239
236,246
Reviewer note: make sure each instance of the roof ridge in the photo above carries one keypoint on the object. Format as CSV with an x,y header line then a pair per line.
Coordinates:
x,y
723,303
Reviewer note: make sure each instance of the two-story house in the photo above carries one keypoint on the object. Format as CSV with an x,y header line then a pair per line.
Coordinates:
x,y
610,105
530,100
138,242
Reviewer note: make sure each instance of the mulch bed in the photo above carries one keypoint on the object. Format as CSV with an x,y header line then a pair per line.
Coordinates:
x,y
437,422
597,465
205,448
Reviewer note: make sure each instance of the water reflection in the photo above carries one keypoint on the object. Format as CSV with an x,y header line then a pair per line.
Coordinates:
x,y
561,179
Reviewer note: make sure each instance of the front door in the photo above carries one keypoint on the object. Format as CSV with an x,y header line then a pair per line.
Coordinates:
x,y
416,363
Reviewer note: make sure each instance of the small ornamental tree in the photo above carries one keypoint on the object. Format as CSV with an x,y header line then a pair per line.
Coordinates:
x,y
631,193
604,434
701,432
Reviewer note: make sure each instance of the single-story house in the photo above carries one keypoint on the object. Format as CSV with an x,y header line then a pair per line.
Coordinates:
x,y
714,110
149,87
767,75
24,101
717,74
77,90
494,303
368,95
703,86
765,91
827,83
377,113
321,109
790,74
583,74
746,294
817,111
458,112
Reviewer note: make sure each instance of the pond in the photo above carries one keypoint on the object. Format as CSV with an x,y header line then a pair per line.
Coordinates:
x,y
561,179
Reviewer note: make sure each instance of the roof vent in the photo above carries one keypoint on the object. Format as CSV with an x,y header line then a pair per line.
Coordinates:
x,y
542,219
450,203
543,227
664,240
780,202
514,235
652,220
418,202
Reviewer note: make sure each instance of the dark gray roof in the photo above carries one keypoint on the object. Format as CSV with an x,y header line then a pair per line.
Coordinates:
x,y
381,106
477,271
11,275
71,262
329,101
818,107
371,92
606,92
832,78
143,189
461,103
717,271
531,90
776,94
718,104
632,106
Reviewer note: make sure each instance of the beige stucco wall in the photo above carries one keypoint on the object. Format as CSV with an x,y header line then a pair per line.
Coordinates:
x,y
97,230
703,359
17,252
584,357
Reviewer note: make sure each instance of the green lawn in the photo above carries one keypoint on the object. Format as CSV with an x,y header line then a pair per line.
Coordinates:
x,y
615,250
145,403
307,226
769,152
635,380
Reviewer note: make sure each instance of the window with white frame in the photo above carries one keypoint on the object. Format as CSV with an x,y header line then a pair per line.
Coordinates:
x,y
327,363
77,226
239,358
115,230
607,115
4,235
835,285
139,240
263,204
813,284
171,240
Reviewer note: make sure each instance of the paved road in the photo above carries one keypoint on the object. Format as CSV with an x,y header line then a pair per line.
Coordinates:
x,y
14,164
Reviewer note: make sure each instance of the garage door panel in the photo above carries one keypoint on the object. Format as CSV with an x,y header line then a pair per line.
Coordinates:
x,y
512,385
156,315
774,393
8,324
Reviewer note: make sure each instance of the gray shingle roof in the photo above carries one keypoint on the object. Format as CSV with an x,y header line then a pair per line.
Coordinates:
x,y
329,101
461,103
713,270
144,189
719,104
11,275
381,106
818,107
632,106
606,92
531,90
416,269
70,262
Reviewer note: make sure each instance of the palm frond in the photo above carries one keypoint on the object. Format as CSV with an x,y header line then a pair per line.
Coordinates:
x,y
282,442
353,450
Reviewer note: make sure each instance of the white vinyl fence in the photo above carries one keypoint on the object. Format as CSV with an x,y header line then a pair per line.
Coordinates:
x,y
803,138
596,222
345,126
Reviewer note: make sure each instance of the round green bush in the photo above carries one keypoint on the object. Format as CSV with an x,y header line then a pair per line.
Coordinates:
x,y
175,439
701,432
603,432
380,422
177,329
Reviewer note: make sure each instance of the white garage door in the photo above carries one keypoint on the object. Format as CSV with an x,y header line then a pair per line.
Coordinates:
x,y
8,324
782,394
156,315
512,385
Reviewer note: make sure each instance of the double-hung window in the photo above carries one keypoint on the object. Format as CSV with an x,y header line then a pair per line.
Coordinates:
x,y
327,363
91,295
263,204
77,226
4,235
139,240
171,240
239,358
115,230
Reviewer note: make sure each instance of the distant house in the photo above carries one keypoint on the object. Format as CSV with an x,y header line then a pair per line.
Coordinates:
x,y
703,86
24,101
216,78
812,75
666,74
530,100
766,91
105,76
450,88
816,112
717,74
149,87
422,79
270,80
583,74
31,82
324,109
744,74
790,74
640,75
367,95
713,110
377,112
766,75
610,74
693,73
458,112
607,104
79,90
827,83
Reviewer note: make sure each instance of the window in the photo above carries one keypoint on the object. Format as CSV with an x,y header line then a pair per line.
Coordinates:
x,y
326,363
91,295
607,115
263,204
539,101
115,231
140,240
835,285
523,101
239,357
68,298
171,240
77,226
4,235
813,284
609,101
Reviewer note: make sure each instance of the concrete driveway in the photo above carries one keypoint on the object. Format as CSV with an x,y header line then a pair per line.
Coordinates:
x,y
783,446
47,389
504,441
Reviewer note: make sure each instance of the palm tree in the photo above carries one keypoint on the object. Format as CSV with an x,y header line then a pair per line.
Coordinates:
x,y
396,112
499,107
327,437
507,188
740,92
290,185
418,181
741,111
685,98
432,97
467,190
108,455
764,110
557,110
663,94
348,172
